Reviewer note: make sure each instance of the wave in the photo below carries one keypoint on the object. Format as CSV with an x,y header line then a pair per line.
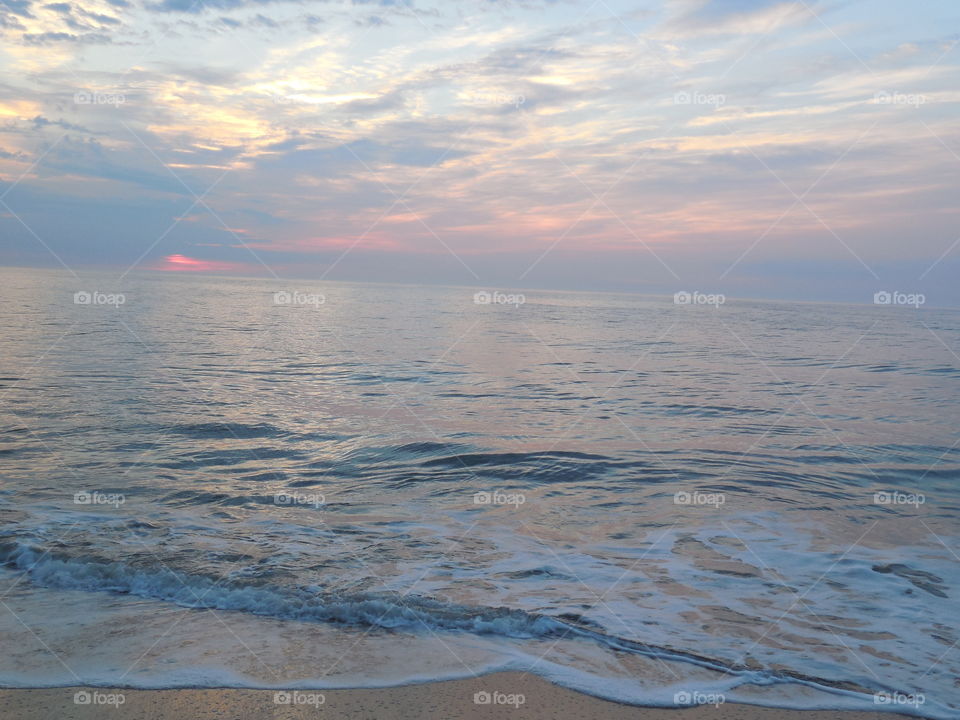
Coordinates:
x,y
384,611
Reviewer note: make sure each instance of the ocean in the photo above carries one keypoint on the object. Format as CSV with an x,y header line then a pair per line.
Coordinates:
x,y
276,484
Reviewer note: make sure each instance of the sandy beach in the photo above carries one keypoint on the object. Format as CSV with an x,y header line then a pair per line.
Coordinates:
x,y
511,695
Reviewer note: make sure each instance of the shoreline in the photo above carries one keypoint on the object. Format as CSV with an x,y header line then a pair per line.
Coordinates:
x,y
504,694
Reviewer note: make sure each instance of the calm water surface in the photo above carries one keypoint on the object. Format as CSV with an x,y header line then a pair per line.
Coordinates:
x,y
645,501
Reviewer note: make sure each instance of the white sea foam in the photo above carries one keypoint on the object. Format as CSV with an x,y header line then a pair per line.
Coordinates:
x,y
501,639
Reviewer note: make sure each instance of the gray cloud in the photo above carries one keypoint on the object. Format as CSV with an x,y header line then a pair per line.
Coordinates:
x,y
53,38
89,158
10,22
41,122
721,16
200,6
354,156
100,18
18,7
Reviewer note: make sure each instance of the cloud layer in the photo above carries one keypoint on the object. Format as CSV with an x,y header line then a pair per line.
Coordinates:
x,y
764,147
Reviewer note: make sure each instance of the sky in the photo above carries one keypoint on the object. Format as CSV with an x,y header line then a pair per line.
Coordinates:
x,y
805,149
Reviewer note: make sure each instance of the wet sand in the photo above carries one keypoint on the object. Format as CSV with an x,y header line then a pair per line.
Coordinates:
x,y
448,700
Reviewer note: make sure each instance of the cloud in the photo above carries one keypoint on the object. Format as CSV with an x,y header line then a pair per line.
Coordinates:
x,y
200,6
18,7
9,22
89,158
41,122
385,3
371,21
53,38
100,18
392,100
720,9
714,17
354,157
313,128
263,21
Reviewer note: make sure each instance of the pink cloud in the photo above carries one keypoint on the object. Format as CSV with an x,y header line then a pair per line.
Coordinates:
x,y
182,263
